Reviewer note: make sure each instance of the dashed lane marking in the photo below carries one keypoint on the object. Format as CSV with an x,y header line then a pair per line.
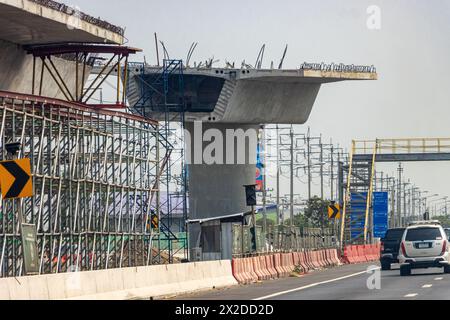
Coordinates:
x,y
426,286
277,294
438,279
411,295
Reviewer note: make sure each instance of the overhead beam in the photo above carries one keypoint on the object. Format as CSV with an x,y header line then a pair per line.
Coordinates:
x,y
407,157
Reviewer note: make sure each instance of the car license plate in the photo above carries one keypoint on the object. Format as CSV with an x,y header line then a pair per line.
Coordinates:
x,y
424,245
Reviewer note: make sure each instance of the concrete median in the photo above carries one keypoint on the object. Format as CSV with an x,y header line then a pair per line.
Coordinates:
x,y
121,284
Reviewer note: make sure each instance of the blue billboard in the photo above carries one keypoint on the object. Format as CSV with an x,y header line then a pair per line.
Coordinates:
x,y
259,169
380,214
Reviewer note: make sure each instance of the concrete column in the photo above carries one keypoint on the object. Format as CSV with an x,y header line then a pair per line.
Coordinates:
x,y
217,189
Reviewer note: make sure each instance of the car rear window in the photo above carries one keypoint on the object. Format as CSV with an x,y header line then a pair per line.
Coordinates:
x,y
394,234
421,234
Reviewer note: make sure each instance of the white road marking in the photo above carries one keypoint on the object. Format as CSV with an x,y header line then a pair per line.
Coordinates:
x,y
438,279
411,295
426,286
277,294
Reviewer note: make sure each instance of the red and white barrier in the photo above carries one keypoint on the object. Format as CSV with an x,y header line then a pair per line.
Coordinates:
x,y
271,267
361,253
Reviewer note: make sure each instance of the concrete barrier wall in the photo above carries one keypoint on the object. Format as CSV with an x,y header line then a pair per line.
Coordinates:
x,y
121,284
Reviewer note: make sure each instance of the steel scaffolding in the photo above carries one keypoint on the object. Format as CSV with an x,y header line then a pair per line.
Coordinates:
x,y
163,93
96,181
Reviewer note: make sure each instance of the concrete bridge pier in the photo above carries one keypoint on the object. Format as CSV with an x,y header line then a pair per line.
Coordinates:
x,y
222,160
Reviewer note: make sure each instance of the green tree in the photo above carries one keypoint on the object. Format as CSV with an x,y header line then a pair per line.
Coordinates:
x,y
445,221
314,215
316,212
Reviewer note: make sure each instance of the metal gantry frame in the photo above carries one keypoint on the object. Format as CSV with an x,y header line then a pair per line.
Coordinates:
x,y
362,174
95,182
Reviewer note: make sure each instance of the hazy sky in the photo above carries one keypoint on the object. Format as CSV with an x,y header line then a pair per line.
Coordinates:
x,y
411,52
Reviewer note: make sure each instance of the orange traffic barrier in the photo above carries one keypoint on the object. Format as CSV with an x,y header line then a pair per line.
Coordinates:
x,y
346,255
237,271
264,268
320,260
278,266
335,257
302,262
329,258
271,267
362,254
297,264
287,265
289,262
256,266
248,270
306,260
323,259
371,253
240,267
315,260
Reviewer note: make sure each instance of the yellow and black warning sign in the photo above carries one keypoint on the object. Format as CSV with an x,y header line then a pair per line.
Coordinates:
x,y
15,179
334,211
155,221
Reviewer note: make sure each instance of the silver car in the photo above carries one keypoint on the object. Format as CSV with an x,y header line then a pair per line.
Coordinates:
x,y
424,246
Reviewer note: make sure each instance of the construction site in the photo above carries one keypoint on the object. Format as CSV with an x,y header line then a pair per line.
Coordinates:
x,y
195,174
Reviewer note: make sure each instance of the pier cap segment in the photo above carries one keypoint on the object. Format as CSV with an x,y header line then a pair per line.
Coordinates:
x,y
247,96
29,22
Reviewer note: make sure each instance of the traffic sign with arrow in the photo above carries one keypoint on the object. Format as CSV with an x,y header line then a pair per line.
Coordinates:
x,y
334,211
15,179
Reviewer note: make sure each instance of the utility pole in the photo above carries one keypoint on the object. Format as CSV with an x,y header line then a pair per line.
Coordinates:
x,y
393,216
321,169
292,177
308,141
263,153
278,176
399,195
332,172
405,205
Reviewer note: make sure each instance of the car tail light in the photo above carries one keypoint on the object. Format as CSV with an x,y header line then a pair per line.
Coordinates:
x,y
382,247
444,248
404,249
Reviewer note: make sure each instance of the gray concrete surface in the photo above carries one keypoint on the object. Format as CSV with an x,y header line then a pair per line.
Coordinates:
x,y
426,284
258,96
25,22
218,190
16,68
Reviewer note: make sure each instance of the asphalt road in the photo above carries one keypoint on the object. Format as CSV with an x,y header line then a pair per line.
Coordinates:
x,y
348,282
